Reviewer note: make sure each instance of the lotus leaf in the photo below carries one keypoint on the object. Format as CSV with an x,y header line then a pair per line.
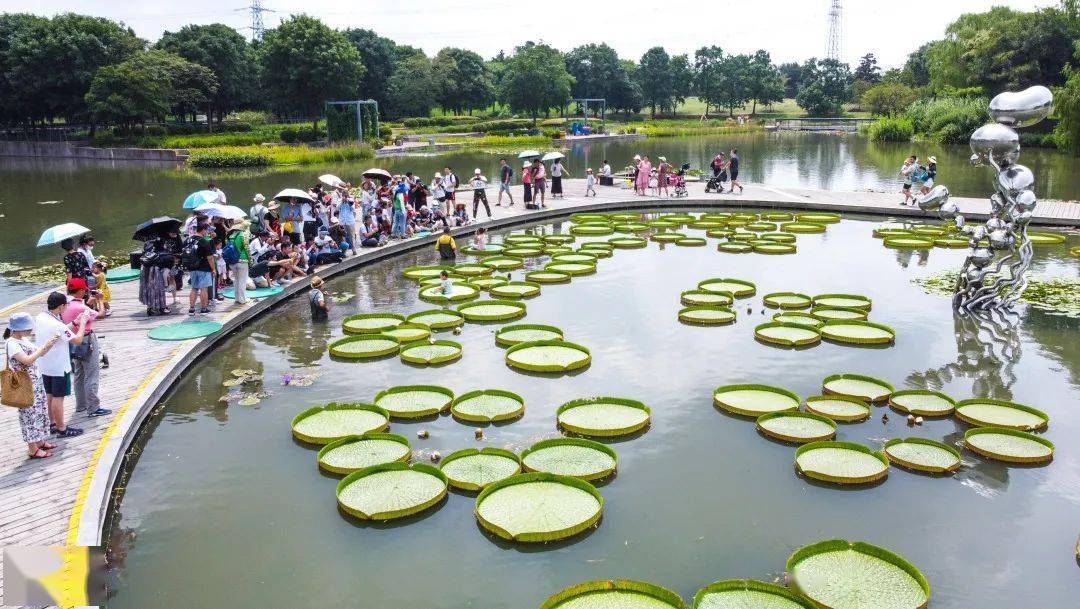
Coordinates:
x,y
392,490
538,507
857,386
548,356
413,401
324,424
985,412
923,455
471,469
575,457
845,575
754,400
922,403
353,453
841,462
1009,445
603,416
488,405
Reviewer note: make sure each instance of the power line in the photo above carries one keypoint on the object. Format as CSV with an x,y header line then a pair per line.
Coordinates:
x,y
834,43
258,28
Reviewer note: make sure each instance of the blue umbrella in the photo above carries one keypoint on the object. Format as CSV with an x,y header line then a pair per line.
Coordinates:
x,y
60,232
201,197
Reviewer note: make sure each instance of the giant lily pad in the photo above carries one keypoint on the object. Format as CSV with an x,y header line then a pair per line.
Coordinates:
x,y
520,238
584,459
438,319
559,239
592,229
779,237
691,242
760,227
585,257
736,287
547,276
538,507
516,289
770,247
1046,238
472,469
787,300
548,356
488,405
603,416
364,346
435,352
667,237
841,408
1009,445
408,332
802,319
353,453
707,316
324,424
797,427
419,273
458,292
704,298
614,594
473,270
503,263
923,455
843,575
414,401
754,400
492,310
571,268
921,402
777,216
787,334
525,333
628,242
908,243
802,227
747,594
841,462
985,412
832,313
391,490
857,386
820,217
858,332
523,251
842,301
732,247
371,323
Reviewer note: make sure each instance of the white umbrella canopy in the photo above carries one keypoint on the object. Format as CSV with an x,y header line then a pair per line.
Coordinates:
x,y
293,193
58,233
331,180
217,210
376,173
529,154
553,156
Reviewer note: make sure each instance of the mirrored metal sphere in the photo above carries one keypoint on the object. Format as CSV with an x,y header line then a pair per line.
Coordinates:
x,y
1015,180
998,140
1026,200
934,199
1001,239
1023,108
980,257
995,224
948,210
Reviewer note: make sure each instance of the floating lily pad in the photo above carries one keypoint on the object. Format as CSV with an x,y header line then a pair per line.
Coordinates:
x,y
364,346
923,455
547,276
779,237
525,333
952,243
628,242
594,252
691,242
414,401
538,507
353,453
592,229
488,405
802,227
492,310
839,407
760,227
516,289
435,352
841,462
554,250
923,403
662,224
735,287
820,217
631,227
571,268
371,323
845,575
908,243
473,270
857,386
438,319
706,224
705,298
559,239
929,231
458,292
249,400
598,245
324,424
419,273
667,237
769,247
472,469
603,416
1009,445
858,332
503,263
892,231
842,301
548,356
796,426
581,218
802,319
985,412
522,251
1046,238
391,490
614,594
787,300
747,594
744,237
732,247
777,216
787,334
830,313
520,238
582,257
707,316
751,400
408,332
584,459
718,233
625,216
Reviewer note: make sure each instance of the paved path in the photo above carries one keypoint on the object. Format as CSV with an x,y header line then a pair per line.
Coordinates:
x,y
62,500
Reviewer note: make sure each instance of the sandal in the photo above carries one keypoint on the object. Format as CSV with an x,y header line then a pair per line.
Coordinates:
x,y
69,432
48,446
41,454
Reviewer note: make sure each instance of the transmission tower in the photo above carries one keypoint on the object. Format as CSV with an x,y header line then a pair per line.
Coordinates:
x,y
258,28
834,44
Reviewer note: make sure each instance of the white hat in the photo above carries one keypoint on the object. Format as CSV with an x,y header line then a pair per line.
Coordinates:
x,y
663,158
526,165
259,198
637,157
933,159
438,175
477,171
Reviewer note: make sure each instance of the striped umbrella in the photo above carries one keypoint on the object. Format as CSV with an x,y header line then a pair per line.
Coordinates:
x,y
201,197
60,232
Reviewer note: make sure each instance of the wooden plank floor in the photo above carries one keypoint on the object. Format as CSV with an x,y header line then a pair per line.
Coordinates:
x,y
41,500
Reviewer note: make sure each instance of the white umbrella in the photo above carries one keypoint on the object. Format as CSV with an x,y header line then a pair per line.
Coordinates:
x,y
60,232
553,156
529,154
377,173
217,210
293,193
331,180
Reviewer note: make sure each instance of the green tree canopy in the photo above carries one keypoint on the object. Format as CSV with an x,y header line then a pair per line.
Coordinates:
x,y
766,85
379,56
656,79
888,99
734,82
535,80
868,69
707,77
823,87
462,81
225,52
147,86
599,73
625,93
682,81
791,73
15,105
409,89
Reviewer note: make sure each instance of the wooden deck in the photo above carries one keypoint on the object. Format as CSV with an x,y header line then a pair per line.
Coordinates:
x,y
62,500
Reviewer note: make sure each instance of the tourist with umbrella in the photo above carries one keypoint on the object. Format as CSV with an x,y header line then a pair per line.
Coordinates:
x,y
75,263
158,267
558,172
202,197
292,212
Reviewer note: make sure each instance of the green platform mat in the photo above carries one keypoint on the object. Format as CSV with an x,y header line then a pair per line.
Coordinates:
x,y
122,274
256,293
185,330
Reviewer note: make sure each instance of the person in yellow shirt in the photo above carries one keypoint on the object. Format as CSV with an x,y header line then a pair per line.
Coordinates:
x,y
446,245
102,285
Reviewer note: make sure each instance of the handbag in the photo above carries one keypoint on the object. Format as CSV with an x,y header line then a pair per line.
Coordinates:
x,y
16,386
82,350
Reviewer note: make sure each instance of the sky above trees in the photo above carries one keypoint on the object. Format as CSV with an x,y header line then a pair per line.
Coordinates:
x,y
792,30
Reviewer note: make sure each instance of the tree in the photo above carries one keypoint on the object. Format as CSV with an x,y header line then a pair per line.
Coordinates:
x,y
682,81
766,85
888,99
868,69
225,52
823,87
149,85
15,105
625,93
535,80
916,70
791,73
707,77
51,62
1067,106
408,91
379,56
655,78
462,81
734,89
596,70
305,63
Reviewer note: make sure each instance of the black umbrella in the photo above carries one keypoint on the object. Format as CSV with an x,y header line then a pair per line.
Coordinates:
x,y
155,227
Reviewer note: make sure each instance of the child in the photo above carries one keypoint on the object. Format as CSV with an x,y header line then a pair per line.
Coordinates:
x,y
590,182
906,170
446,245
102,283
446,287
479,186
480,238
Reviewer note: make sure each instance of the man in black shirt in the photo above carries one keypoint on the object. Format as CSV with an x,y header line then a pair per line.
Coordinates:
x,y
506,175
733,169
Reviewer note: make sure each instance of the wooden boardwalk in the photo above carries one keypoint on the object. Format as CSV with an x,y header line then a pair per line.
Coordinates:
x,y
62,500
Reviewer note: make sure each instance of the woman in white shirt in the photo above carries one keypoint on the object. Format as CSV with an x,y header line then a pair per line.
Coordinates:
x,y
21,355
558,171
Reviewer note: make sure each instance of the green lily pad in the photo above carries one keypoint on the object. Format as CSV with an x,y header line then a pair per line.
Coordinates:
x,y
548,356
438,319
471,469
952,243
857,386
538,507
691,242
908,243
353,453
408,332
707,316
571,268
628,242
802,227
923,403
802,319
325,424
787,300
364,346
779,237
777,216
547,276
929,231
747,594
526,333
667,237
1046,238
559,239
732,247
735,287
414,401
492,310
391,490
503,263
435,352
760,227
582,257
519,239
419,273
516,289
487,406
845,575
522,251
769,247
592,229
796,427
662,224
841,462
839,407
985,412
892,231
704,298
473,270
614,594
858,332
371,323
1009,445
718,233
603,416
842,301
829,313
458,292
592,246
753,400
584,459
819,217
923,455
787,334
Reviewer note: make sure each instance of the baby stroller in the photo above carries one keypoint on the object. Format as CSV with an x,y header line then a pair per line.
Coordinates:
x,y
716,182
678,180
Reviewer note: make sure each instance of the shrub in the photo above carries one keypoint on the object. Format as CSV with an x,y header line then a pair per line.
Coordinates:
x,y
949,120
437,121
251,117
888,99
891,129
216,159
289,135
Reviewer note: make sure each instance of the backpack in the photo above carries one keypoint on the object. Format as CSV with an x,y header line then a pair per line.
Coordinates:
x,y
231,252
189,256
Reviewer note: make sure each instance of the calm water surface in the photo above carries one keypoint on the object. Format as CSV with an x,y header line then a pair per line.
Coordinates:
x,y
112,198
223,508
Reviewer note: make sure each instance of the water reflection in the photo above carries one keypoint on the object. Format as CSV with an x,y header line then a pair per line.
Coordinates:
x,y
988,349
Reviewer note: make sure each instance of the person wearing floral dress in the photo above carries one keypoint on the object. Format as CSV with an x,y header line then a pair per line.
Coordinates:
x,y
22,355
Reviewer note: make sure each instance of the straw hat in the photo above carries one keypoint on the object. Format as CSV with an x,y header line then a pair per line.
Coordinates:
x,y
272,205
663,158
933,159
637,157
526,165
317,282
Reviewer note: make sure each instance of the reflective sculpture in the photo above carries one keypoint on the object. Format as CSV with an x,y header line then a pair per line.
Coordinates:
x,y
994,272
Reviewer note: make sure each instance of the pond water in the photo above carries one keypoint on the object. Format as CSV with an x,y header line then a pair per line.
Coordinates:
x,y
224,508
111,198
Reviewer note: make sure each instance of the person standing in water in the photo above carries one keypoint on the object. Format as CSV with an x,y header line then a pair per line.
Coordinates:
x,y
320,305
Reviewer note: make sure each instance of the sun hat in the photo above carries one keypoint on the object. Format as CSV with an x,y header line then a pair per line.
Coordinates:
x,y
317,282
476,171
526,165
259,198
637,157
663,158
438,175
20,322
272,205
933,159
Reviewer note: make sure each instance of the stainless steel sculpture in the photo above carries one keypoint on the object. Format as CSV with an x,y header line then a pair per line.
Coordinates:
x,y
994,274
